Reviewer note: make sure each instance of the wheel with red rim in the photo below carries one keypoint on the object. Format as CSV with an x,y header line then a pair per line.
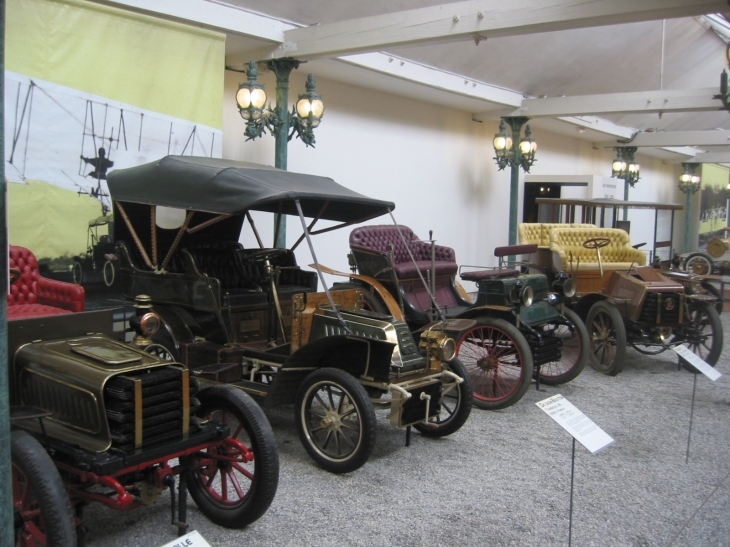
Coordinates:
x,y
235,482
499,361
43,514
573,353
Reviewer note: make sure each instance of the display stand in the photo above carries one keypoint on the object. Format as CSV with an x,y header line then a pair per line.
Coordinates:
x,y
687,356
582,429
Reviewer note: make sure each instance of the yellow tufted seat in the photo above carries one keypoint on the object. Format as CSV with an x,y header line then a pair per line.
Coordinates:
x,y
617,255
538,233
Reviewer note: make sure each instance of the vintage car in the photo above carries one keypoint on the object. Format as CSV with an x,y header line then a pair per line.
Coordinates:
x,y
95,419
251,318
715,260
516,328
646,309
99,264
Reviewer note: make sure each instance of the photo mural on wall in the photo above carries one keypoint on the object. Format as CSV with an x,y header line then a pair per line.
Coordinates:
x,y
90,89
713,216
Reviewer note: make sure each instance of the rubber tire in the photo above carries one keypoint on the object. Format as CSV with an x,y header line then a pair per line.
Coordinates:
x,y
372,301
261,442
77,273
713,317
456,409
110,276
524,355
329,378
581,337
702,258
611,320
30,459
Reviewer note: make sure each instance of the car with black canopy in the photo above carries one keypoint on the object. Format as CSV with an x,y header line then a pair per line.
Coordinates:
x,y
252,318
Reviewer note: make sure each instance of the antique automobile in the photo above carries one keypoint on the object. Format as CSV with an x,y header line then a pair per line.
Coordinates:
x,y
97,420
515,329
715,259
99,264
639,306
251,318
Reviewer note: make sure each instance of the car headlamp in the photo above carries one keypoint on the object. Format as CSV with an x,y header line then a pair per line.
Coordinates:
x,y
527,296
150,323
437,346
564,285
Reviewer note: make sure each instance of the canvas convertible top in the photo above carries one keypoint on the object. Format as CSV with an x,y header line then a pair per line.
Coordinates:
x,y
232,187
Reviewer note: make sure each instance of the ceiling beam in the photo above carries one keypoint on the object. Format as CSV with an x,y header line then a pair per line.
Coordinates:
x,y
221,17
467,20
673,138
709,157
641,102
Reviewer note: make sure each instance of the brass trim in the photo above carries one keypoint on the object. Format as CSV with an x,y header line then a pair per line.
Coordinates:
x,y
138,413
186,402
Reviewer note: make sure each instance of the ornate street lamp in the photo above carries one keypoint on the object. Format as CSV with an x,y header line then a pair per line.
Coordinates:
x,y
303,118
513,150
625,167
689,183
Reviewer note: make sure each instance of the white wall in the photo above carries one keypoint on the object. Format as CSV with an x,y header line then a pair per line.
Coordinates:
x,y
434,163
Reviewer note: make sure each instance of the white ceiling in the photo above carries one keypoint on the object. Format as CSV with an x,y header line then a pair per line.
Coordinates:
x,y
671,54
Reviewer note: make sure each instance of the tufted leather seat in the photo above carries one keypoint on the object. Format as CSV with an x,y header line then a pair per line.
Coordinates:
x,y
376,240
539,232
32,295
617,255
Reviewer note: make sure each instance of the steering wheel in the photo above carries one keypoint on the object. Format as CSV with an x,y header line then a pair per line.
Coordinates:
x,y
15,274
264,255
596,242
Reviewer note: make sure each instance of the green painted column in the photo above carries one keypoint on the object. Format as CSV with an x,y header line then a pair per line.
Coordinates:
x,y
7,533
687,220
282,69
516,124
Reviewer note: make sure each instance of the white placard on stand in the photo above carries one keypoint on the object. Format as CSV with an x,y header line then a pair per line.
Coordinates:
x,y
193,539
580,426
696,361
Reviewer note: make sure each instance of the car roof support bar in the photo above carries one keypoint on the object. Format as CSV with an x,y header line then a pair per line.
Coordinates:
x,y
138,242
319,270
311,224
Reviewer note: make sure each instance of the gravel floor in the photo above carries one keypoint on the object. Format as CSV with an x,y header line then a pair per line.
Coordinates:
x,y
504,478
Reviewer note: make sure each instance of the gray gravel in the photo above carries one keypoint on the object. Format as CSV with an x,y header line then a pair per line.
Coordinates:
x,y
504,478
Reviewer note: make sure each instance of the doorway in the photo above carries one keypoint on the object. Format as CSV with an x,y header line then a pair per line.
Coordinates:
x,y
534,190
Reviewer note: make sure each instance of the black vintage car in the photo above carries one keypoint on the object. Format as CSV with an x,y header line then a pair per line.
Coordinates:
x,y
98,420
251,318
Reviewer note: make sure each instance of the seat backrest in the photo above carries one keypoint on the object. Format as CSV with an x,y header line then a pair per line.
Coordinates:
x,y
23,290
539,232
378,238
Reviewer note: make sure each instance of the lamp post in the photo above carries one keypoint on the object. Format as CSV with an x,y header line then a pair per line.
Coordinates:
x,y
689,183
625,167
304,117
513,150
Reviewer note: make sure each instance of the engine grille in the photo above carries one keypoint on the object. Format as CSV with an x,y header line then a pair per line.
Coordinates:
x,y
544,350
669,311
148,407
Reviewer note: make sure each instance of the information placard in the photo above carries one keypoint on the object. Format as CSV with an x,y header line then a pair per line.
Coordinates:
x,y
193,539
696,361
580,426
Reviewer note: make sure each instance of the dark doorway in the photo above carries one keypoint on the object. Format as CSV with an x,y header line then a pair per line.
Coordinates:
x,y
534,190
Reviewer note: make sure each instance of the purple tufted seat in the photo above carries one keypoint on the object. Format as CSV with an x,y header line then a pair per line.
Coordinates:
x,y
373,241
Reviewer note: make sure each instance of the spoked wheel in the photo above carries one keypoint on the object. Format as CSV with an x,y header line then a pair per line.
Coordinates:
x,y
499,361
160,351
335,420
234,483
573,354
702,332
455,404
109,273
43,514
608,338
77,273
699,263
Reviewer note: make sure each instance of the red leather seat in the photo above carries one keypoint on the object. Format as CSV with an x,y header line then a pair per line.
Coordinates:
x,y
32,295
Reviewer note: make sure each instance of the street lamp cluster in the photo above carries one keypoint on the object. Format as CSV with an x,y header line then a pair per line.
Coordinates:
x,y
689,181
625,167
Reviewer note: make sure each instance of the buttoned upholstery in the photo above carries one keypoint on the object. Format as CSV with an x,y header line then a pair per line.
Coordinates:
x,y
376,240
539,232
32,295
617,255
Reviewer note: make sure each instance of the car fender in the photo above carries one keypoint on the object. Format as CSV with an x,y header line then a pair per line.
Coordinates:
x,y
583,306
